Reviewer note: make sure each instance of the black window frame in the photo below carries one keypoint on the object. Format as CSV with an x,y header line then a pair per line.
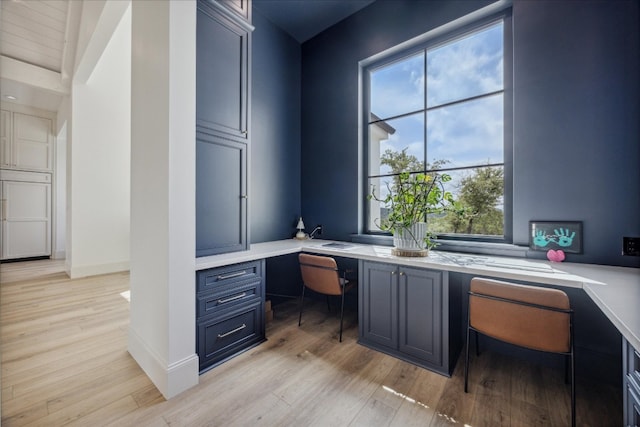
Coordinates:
x,y
408,49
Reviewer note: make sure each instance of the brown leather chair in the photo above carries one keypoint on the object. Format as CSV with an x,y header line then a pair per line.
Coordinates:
x,y
527,316
321,274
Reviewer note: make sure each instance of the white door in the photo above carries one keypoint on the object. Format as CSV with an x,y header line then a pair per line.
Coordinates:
x,y
26,219
32,143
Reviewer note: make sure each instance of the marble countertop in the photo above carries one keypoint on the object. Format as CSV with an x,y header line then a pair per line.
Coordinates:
x,y
615,290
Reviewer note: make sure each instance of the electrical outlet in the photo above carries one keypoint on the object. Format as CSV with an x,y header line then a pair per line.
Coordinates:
x,y
631,246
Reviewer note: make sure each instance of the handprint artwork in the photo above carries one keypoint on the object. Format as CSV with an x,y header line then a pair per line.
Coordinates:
x,y
542,239
545,235
564,239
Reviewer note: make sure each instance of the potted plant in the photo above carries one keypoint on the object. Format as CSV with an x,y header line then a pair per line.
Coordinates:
x,y
410,199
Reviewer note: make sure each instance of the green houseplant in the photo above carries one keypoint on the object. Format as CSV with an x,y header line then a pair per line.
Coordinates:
x,y
410,199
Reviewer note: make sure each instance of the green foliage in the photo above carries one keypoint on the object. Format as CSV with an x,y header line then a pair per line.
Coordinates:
x,y
475,210
401,162
411,198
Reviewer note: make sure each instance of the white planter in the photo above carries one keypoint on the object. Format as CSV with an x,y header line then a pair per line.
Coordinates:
x,y
411,238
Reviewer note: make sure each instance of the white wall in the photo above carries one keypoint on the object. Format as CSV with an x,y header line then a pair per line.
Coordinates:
x,y
99,158
65,119
60,194
162,322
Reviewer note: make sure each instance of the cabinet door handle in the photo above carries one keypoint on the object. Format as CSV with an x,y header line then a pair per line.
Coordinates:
x,y
233,298
244,196
4,209
233,331
232,275
244,132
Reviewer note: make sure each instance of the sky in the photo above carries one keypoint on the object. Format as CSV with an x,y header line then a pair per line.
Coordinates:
x,y
464,134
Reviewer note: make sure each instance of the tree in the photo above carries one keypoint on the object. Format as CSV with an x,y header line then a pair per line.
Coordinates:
x,y
401,162
476,211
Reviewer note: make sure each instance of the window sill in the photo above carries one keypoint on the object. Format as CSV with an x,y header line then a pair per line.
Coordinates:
x,y
484,248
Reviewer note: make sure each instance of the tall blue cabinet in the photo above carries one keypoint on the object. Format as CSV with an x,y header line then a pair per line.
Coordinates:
x,y
229,299
223,101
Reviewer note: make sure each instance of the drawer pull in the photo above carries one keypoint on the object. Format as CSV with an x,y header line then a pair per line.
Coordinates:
x,y
233,298
232,275
233,331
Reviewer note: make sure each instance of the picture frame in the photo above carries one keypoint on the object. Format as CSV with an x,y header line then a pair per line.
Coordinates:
x,y
565,235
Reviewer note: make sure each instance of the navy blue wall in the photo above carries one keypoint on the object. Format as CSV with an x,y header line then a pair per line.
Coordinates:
x,y
576,121
275,142
330,102
576,109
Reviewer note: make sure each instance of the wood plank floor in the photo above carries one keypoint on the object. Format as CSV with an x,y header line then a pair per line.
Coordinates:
x,y
64,362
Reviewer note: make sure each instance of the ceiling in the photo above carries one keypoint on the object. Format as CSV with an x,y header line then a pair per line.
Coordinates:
x,y
304,19
37,47
34,32
38,41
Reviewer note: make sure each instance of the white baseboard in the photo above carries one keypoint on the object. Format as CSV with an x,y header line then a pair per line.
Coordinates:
x,y
75,272
171,379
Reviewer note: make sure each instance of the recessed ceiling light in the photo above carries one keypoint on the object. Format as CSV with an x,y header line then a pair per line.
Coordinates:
x,y
11,97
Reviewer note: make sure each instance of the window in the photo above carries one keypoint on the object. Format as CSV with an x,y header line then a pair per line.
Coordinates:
x,y
442,106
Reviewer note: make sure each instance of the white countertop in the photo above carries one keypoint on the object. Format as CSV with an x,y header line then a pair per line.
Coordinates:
x,y
615,290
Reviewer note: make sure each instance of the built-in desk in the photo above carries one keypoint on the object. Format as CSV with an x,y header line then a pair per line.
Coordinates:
x,y
615,290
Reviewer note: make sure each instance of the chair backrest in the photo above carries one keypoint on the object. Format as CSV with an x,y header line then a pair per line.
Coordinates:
x,y
320,273
529,316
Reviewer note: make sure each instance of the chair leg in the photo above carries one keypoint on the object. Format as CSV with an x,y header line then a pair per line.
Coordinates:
x,y
466,361
477,343
301,304
573,391
341,315
573,370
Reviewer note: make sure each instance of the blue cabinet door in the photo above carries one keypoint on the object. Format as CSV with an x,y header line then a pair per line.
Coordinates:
x,y
379,304
221,201
240,7
222,74
404,312
421,325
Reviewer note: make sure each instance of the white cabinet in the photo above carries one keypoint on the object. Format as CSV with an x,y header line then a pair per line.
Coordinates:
x,y
6,132
27,142
26,214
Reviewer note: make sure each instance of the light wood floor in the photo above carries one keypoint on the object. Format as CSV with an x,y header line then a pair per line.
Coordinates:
x,y
64,362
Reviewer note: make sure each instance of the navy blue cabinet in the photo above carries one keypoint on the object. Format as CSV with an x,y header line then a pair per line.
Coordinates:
x,y
404,312
229,311
222,73
222,126
240,7
221,195
379,304
420,308
631,382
